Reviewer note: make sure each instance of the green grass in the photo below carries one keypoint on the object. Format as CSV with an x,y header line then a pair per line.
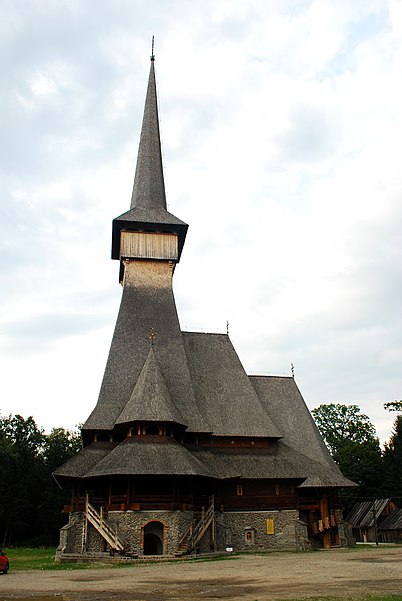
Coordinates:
x,y
42,558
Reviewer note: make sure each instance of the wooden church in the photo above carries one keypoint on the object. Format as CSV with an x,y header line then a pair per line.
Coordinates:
x,y
184,452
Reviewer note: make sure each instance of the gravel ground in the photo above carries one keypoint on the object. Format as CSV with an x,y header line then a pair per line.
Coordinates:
x,y
245,578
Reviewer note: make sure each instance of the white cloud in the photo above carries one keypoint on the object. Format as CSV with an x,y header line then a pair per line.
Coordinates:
x,y
281,129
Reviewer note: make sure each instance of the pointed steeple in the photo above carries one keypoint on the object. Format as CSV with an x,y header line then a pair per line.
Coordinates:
x,y
148,211
150,399
149,185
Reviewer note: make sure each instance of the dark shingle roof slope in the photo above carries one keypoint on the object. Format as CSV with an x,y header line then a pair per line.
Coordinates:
x,y
150,399
283,402
393,521
362,514
149,186
222,388
84,460
147,304
278,461
149,455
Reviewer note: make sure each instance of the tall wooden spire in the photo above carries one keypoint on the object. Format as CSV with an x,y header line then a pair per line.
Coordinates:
x,y
140,384
148,209
149,186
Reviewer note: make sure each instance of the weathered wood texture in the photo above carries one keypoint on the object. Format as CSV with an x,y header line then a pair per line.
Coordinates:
x,y
144,245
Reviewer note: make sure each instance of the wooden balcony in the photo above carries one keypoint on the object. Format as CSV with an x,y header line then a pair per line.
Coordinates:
x,y
122,503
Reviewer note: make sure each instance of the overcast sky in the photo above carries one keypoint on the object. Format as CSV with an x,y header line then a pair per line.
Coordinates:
x,y
281,126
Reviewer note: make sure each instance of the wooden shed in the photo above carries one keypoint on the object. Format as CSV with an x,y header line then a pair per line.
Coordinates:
x,y
366,518
391,527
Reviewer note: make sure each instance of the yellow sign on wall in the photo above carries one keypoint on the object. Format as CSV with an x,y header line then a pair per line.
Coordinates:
x,y
270,526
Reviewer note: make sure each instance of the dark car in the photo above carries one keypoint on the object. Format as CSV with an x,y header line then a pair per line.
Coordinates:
x,y
4,563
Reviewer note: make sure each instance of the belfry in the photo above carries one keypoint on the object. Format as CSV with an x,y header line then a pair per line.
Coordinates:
x,y
184,452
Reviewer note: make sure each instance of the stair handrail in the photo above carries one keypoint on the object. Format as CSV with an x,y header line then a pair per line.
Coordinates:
x,y
202,526
184,539
99,522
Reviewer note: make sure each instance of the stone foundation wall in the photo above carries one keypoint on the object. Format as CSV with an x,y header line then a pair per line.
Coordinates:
x,y
71,534
240,530
129,526
247,530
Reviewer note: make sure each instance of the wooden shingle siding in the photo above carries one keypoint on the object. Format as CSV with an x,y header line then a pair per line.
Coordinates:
x,y
141,245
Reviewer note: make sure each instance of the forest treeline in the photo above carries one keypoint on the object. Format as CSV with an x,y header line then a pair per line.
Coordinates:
x,y
354,445
31,501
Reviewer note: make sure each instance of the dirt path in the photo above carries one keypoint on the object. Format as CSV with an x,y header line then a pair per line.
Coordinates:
x,y
248,578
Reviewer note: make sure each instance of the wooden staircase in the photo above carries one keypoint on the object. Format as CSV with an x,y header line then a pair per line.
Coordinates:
x,y
182,547
193,535
100,524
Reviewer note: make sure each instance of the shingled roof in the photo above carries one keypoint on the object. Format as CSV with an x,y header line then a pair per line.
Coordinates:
x,y
393,521
222,388
277,461
284,403
363,514
149,185
138,455
161,455
147,304
150,399
78,465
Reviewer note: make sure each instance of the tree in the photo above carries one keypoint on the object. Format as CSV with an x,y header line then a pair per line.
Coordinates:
x,y
31,501
58,447
340,424
393,406
353,444
393,461
21,468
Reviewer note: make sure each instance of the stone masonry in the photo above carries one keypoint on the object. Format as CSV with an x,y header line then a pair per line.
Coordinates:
x,y
247,530
240,531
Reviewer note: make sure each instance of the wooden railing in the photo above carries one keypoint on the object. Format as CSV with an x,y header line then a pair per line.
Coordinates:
x,y
182,546
207,518
117,504
100,524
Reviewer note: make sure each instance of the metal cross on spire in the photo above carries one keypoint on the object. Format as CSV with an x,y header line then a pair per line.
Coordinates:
x,y
152,49
152,335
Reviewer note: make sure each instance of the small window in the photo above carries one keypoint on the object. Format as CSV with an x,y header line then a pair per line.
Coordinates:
x,y
277,490
239,490
249,536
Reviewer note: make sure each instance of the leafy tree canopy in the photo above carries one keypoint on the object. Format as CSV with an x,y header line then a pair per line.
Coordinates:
x,y
31,501
342,424
353,443
393,406
393,461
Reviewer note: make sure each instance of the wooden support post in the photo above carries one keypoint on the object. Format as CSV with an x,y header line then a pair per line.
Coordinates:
x,y
213,536
85,541
325,520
